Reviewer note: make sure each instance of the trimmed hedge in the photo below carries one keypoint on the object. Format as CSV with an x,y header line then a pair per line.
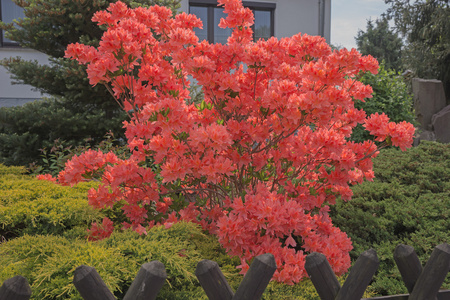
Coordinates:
x,y
407,203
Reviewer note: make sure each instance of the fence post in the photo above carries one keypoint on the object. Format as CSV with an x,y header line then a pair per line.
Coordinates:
x,y
433,274
408,264
90,285
213,281
322,276
16,288
360,276
148,282
257,278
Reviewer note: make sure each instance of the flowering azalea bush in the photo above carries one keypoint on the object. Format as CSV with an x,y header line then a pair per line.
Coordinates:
x,y
259,161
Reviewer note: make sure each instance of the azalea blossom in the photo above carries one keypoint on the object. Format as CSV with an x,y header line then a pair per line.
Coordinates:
x,y
258,161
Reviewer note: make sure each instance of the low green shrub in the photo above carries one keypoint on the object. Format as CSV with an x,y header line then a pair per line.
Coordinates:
x,y
54,158
12,170
48,262
31,206
407,203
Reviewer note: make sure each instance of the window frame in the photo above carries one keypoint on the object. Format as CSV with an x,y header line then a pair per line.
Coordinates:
x,y
211,4
3,43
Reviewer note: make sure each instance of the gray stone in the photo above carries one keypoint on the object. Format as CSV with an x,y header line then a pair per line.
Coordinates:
x,y
441,125
424,136
429,99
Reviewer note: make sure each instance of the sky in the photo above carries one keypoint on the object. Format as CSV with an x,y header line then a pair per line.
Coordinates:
x,y
348,16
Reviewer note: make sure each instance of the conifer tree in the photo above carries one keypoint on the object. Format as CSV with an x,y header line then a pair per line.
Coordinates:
x,y
425,26
381,42
75,111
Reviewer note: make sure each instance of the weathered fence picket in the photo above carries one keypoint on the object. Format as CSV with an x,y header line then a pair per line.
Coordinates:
x,y
16,288
326,283
90,285
433,274
322,276
148,282
257,278
422,283
408,264
213,281
359,277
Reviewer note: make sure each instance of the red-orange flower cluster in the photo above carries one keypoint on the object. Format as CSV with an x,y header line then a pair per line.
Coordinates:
x,y
259,160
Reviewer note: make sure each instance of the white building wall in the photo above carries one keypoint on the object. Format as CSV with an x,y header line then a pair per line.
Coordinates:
x,y
291,17
294,16
17,94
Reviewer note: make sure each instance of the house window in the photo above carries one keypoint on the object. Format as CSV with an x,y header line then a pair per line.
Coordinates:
x,y
210,14
8,12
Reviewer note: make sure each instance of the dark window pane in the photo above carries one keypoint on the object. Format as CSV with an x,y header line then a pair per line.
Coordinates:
x,y
10,11
220,35
263,24
202,14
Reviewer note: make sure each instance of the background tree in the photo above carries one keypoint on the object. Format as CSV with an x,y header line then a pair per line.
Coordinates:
x,y
425,25
75,111
381,42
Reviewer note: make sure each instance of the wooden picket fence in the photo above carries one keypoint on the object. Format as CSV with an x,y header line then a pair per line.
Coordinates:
x,y
422,283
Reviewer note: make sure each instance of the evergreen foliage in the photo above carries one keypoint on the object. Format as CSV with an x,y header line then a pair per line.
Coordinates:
x,y
407,203
29,206
382,43
75,111
25,130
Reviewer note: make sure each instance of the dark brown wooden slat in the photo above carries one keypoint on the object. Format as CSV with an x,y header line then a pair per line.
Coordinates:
x,y
148,282
322,276
360,276
408,264
442,295
433,274
257,278
213,281
90,285
15,288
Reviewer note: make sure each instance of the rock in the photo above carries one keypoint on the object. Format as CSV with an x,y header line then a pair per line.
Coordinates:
x,y
441,125
429,99
424,136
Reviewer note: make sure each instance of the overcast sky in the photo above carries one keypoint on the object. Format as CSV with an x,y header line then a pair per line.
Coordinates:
x,y
348,16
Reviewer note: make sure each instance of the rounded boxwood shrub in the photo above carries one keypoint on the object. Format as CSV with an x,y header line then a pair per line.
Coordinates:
x,y
407,203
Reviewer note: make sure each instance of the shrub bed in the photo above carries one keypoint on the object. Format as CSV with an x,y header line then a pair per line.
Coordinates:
x,y
407,203
43,228
48,262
